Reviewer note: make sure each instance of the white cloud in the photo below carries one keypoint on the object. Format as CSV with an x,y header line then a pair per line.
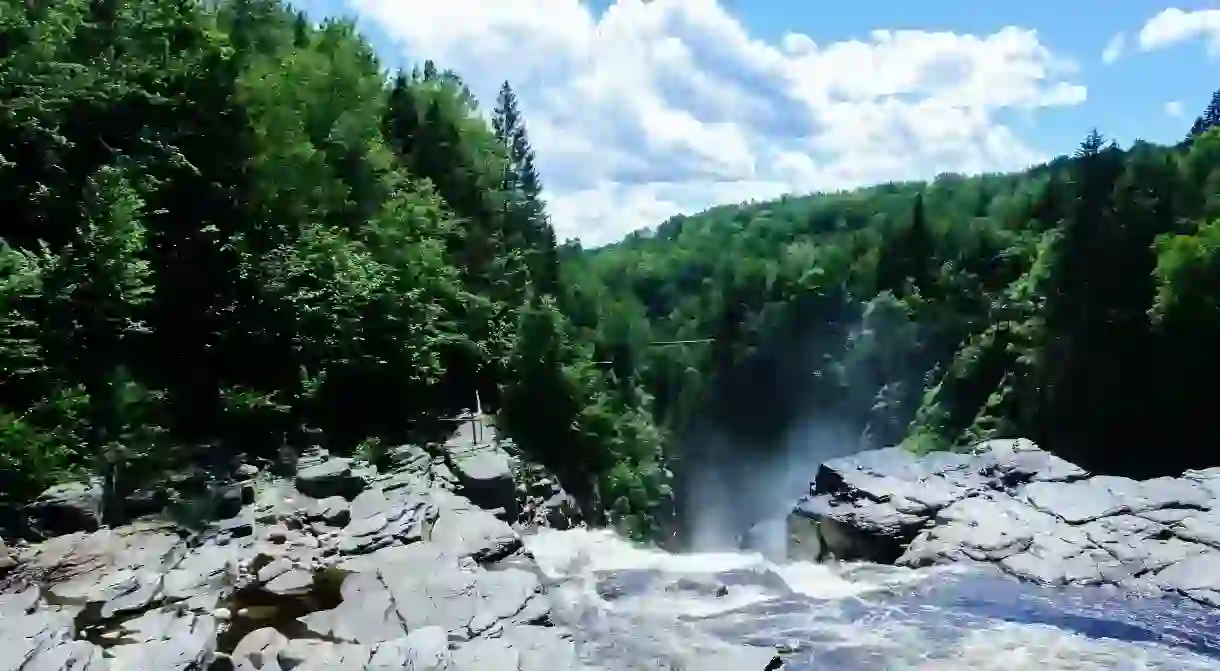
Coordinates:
x,y
654,108
1173,26
1114,49
1173,108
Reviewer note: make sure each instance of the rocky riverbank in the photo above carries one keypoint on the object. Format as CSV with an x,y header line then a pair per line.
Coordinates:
x,y
1014,505
338,567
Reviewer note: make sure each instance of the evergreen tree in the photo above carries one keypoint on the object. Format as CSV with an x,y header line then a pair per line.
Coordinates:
x,y
907,255
1211,116
524,212
401,120
1209,119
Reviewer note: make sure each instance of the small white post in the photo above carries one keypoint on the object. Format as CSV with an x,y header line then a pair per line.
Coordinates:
x,y
478,418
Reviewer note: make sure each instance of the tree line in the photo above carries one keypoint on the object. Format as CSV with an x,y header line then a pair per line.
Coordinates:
x,y
230,231
1075,303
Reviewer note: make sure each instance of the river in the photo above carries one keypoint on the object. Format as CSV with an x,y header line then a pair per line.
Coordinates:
x,y
636,608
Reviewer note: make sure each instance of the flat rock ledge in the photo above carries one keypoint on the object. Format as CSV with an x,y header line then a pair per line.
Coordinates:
x,y
1009,503
341,567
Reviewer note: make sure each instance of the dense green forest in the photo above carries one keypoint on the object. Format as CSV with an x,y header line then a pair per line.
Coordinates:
x,y
1076,303
228,231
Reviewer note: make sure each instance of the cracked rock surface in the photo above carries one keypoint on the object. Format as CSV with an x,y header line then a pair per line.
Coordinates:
x,y
1014,505
341,567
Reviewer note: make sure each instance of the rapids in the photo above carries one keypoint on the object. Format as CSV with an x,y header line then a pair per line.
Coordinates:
x,y
630,607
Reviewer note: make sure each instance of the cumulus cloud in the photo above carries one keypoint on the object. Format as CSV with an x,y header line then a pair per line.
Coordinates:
x,y
653,108
1173,26
1114,49
1173,108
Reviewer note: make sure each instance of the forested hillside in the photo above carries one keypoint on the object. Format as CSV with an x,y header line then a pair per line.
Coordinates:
x,y
228,231
1077,303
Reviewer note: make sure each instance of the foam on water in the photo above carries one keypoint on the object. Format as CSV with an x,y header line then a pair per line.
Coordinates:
x,y
632,607
561,553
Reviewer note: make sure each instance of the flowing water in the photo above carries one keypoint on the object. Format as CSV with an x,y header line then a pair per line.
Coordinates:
x,y
636,608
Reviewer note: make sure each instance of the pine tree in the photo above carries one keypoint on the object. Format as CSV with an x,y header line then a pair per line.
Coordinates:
x,y
1091,146
1197,128
907,254
1208,120
401,121
523,210
1211,116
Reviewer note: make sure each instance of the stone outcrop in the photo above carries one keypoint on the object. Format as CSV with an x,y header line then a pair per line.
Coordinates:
x,y
485,474
544,501
72,506
341,567
1012,504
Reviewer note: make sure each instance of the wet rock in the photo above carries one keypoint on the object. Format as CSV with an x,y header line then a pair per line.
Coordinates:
x,y
259,648
146,501
804,539
396,590
1031,513
704,587
518,649
208,569
464,529
115,570
236,528
425,649
71,656
294,582
378,521
485,476
274,569
1199,527
861,529
1011,462
1196,576
314,655
411,459
1141,544
400,577
7,561
30,629
68,508
333,511
560,511
166,640
229,502
331,477
1103,496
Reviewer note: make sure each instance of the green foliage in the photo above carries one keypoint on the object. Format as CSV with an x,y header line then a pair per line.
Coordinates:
x,y
228,231
1074,303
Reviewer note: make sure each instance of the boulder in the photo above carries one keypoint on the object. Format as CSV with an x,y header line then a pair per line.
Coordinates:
x,y
330,477
67,508
485,476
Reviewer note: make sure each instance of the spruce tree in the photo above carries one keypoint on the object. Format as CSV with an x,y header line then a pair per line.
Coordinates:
x,y
523,210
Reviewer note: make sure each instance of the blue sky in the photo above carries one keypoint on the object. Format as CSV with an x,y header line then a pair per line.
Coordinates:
x,y
640,109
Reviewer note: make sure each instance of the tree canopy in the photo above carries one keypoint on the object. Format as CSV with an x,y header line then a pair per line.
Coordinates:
x,y
230,230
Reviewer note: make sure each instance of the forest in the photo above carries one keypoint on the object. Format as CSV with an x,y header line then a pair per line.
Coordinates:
x,y
230,231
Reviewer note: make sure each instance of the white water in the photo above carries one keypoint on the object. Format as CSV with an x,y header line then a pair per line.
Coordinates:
x,y
636,608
